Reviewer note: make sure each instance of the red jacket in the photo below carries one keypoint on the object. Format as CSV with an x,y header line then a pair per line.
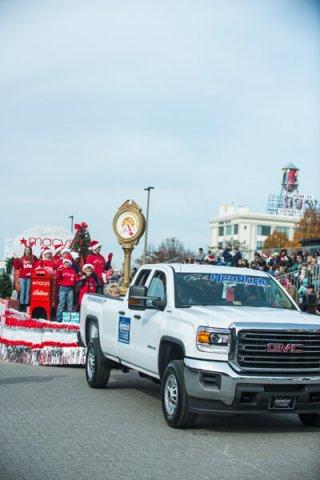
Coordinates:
x,y
44,263
88,285
58,261
25,265
98,262
66,276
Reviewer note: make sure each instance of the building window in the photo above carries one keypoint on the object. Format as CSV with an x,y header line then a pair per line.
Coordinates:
x,y
221,231
228,230
220,245
264,230
235,229
282,230
259,245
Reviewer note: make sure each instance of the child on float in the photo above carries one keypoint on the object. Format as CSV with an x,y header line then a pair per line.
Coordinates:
x,y
24,265
65,253
98,261
88,283
66,280
47,261
113,290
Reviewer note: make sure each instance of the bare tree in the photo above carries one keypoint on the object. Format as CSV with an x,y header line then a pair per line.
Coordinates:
x,y
169,250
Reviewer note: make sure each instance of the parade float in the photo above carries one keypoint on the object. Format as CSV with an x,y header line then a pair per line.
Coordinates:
x,y
34,336
38,342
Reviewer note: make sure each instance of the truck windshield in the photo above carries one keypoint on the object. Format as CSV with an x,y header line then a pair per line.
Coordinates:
x,y
230,290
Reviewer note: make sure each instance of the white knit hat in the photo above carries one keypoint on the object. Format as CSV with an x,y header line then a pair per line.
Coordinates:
x,y
87,265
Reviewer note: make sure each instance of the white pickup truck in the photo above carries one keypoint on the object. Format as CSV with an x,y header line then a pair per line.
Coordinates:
x,y
218,339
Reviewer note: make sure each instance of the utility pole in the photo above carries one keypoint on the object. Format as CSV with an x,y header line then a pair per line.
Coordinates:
x,y
71,217
147,225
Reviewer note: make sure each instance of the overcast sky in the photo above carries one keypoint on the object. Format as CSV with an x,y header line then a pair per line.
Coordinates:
x,y
204,100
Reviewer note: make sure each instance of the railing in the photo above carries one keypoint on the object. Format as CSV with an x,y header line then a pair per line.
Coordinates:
x,y
304,275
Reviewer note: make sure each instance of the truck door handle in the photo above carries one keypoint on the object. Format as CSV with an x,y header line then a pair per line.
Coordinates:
x,y
138,317
121,312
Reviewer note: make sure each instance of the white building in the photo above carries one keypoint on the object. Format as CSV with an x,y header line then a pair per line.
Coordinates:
x,y
238,224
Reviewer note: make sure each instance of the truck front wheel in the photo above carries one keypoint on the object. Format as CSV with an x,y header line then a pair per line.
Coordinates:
x,y
175,403
310,419
97,371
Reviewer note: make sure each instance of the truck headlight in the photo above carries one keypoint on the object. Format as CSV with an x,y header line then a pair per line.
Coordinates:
x,y
213,339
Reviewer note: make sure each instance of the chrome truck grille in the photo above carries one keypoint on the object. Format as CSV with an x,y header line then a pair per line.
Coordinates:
x,y
277,350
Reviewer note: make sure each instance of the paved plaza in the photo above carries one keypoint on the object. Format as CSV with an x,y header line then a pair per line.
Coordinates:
x,y
52,426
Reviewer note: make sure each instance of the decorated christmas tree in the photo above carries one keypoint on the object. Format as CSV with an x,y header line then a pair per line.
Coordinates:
x,y
81,241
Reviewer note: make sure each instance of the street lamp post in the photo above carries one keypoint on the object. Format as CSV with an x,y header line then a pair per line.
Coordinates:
x,y
147,225
71,218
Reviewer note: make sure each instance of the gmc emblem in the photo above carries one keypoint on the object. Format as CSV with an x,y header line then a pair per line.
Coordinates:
x,y
284,348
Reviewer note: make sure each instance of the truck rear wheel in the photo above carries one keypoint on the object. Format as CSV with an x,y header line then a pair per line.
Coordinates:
x,y
310,419
175,403
97,371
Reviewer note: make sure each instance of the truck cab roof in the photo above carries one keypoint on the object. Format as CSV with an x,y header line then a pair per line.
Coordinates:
x,y
194,267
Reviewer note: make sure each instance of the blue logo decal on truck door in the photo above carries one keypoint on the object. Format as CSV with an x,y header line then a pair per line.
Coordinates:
x,y
124,330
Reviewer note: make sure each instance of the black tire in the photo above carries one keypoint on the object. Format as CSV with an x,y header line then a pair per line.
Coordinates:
x,y
310,419
175,402
97,369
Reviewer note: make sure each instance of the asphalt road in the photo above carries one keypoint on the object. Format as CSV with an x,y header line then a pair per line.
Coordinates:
x,y
53,426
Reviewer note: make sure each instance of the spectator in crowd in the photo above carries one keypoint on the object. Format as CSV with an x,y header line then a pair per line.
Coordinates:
x,y
189,260
210,258
66,279
236,257
274,259
24,265
284,260
227,257
258,263
302,289
243,263
291,289
200,256
309,300
296,261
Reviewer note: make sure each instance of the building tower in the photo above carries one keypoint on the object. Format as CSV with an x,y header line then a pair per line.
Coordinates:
x,y
289,198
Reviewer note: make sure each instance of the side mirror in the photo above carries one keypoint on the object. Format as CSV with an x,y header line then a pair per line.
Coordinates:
x,y
137,297
159,304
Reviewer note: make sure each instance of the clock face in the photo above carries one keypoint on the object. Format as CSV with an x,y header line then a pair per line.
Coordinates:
x,y
128,225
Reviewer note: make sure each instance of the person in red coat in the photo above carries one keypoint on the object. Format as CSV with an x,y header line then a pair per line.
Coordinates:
x,y
66,280
88,283
47,262
25,265
97,260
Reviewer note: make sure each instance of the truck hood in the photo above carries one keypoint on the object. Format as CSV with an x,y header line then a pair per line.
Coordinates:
x,y
223,317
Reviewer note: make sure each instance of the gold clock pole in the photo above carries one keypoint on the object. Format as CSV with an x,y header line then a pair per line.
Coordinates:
x,y
127,250
129,225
